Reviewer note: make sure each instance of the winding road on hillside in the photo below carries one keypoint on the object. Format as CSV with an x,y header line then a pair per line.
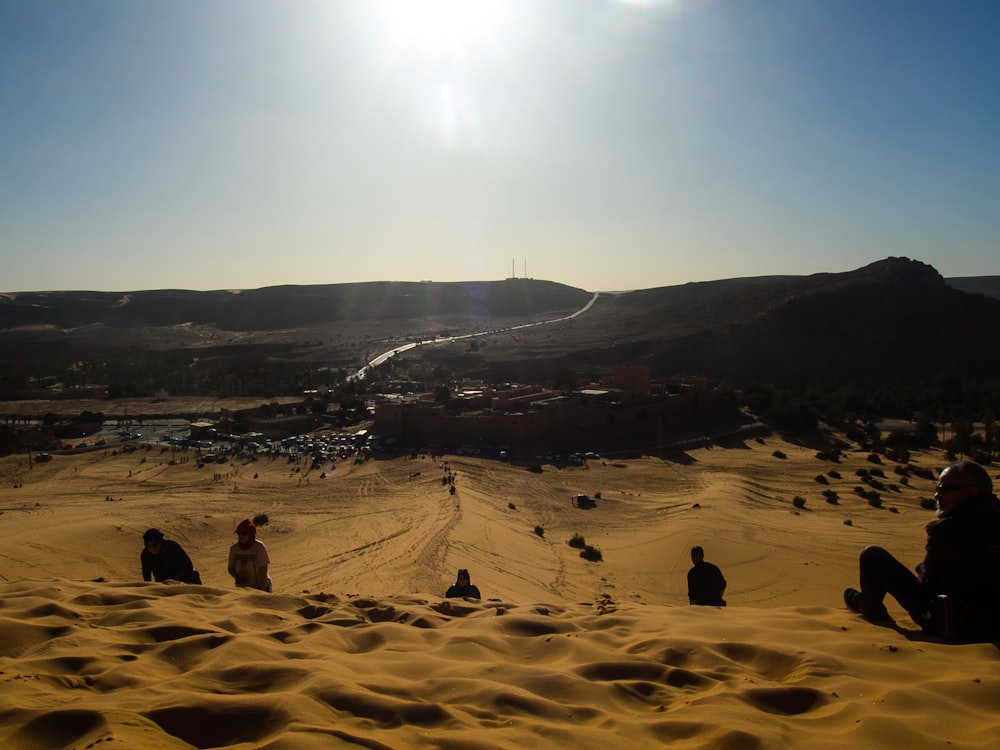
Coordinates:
x,y
360,374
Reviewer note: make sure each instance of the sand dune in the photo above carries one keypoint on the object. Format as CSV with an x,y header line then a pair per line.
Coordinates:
x,y
358,647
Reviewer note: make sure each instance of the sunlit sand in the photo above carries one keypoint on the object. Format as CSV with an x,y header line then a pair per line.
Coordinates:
x,y
358,647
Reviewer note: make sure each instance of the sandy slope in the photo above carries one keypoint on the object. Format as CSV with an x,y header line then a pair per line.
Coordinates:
x,y
357,647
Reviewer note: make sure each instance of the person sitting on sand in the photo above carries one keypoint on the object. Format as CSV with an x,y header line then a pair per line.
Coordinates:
x,y
706,585
463,587
961,564
165,560
248,559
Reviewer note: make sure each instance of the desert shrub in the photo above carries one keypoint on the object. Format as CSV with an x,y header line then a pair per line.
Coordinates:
x,y
829,455
901,470
260,519
831,496
876,485
539,531
863,473
874,458
923,472
822,479
779,454
928,503
848,522
865,493
833,473
597,495
905,481
512,506
894,510
875,500
877,472
899,455
799,502
535,468
577,541
591,553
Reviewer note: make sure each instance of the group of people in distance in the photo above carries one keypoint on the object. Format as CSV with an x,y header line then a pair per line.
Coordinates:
x,y
953,594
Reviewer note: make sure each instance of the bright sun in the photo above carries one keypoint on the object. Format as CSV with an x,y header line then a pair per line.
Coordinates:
x,y
435,28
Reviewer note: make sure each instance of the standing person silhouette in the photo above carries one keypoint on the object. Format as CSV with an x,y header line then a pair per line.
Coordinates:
x,y
706,584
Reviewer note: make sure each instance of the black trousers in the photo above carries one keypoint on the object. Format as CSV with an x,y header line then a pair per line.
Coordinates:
x,y
882,574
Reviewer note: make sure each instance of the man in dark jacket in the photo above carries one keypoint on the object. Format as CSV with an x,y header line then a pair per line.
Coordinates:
x,y
956,591
706,585
165,560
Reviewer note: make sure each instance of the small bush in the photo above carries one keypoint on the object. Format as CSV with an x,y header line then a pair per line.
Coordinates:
x,y
577,541
539,531
863,473
928,503
597,495
260,519
833,473
822,479
799,502
779,454
923,472
875,500
831,496
865,493
848,522
591,553
877,472
894,510
512,506
874,458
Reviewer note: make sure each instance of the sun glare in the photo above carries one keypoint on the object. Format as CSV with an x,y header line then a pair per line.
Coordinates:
x,y
440,27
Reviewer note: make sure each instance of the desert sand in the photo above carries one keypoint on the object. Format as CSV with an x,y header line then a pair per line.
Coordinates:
x,y
358,648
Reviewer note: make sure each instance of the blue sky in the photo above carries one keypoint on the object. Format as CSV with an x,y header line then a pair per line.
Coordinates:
x,y
216,144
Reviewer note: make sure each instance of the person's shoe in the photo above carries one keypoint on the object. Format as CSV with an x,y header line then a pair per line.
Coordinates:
x,y
855,602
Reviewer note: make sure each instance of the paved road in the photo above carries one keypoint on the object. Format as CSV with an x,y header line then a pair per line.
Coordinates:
x,y
360,374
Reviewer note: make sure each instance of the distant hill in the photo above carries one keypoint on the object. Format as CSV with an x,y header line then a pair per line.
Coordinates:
x,y
895,320
988,285
276,307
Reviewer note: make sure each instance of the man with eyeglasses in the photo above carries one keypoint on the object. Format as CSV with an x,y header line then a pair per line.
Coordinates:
x,y
956,591
165,560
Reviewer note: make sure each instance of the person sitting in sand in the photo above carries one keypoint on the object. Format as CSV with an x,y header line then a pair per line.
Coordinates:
x,y
165,560
248,559
463,587
955,593
706,585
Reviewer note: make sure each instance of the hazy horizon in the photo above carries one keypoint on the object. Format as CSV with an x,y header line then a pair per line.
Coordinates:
x,y
607,145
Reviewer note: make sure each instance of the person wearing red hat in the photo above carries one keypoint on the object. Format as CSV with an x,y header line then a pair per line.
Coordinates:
x,y
248,559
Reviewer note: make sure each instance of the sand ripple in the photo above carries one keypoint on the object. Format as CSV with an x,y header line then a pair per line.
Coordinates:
x,y
113,665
